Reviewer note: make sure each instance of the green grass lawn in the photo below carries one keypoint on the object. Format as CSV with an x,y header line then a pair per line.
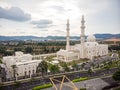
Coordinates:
x,y
42,87
80,79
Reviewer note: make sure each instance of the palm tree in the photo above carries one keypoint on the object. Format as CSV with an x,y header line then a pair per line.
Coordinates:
x,y
14,67
42,67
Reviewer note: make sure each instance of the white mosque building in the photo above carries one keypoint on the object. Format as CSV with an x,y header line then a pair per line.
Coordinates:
x,y
25,65
88,48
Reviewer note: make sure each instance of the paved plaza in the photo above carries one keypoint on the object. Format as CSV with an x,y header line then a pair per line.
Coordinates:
x,y
93,84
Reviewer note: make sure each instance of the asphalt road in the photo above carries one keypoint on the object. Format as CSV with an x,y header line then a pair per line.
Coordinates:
x,y
41,81
93,84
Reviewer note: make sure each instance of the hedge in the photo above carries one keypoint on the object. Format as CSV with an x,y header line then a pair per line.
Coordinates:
x,y
42,87
83,89
80,79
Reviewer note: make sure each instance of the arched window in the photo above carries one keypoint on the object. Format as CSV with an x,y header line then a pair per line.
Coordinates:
x,y
33,71
25,73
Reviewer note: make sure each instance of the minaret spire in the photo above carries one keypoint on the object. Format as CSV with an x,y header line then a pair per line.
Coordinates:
x,y
67,37
82,30
82,39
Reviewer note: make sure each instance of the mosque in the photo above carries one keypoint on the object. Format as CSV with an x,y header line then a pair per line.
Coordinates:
x,y
26,66
88,48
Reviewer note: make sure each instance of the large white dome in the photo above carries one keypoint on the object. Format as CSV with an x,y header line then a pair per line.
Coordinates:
x,y
91,38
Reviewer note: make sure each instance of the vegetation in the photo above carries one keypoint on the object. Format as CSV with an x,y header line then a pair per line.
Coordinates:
x,y
112,64
80,79
49,58
42,87
32,79
75,66
83,89
28,50
4,51
64,66
42,67
17,84
1,85
90,71
14,67
32,47
1,61
107,64
40,47
114,47
54,68
116,76
118,88
17,49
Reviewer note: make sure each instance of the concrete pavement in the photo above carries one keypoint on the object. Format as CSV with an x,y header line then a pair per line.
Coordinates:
x,y
92,84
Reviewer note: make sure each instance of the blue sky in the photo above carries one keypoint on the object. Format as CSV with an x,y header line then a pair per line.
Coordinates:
x,y
49,17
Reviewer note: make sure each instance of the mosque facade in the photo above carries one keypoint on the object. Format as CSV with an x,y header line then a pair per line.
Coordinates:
x,y
88,48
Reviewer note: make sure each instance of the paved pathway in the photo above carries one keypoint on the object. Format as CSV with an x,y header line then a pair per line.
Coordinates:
x,y
93,84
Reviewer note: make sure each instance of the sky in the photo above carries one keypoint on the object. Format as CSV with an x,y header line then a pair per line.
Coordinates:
x,y
49,17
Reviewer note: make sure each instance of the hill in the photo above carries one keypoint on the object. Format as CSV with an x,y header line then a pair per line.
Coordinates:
x,y
98,36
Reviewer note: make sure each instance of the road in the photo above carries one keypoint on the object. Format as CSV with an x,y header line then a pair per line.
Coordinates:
x,y
26,85
93,84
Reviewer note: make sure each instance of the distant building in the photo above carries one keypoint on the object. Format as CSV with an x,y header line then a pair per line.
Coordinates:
x,y
25,66
86,49
112,41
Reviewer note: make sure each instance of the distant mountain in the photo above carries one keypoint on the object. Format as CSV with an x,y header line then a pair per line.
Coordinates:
x,y
4,38
107,36
98,36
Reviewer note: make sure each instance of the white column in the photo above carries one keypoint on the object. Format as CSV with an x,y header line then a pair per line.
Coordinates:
x,y
67,37
82,39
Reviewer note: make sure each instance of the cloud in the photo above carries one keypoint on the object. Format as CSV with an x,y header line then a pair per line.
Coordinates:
x,y
58,8
43,23
15,14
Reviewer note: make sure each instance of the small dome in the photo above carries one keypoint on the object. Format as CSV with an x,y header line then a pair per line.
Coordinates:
x,y
91,38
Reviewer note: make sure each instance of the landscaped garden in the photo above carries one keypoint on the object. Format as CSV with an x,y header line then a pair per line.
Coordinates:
x,y
80,79
42,87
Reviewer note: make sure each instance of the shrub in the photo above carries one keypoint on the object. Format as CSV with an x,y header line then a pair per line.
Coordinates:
x,y
117,89
80,79
116,76
83,89
17,84
42,87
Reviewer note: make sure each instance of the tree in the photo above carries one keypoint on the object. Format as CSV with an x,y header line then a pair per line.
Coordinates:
x,y
14,67
116,76
90,71
17,49
42,67
2,50
65,67
28,50
93,65
2,74
1,61
75,66
52,50
54,69
82,65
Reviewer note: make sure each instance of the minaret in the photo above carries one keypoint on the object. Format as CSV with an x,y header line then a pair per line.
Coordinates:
x,y
82,39
82,30
67,37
